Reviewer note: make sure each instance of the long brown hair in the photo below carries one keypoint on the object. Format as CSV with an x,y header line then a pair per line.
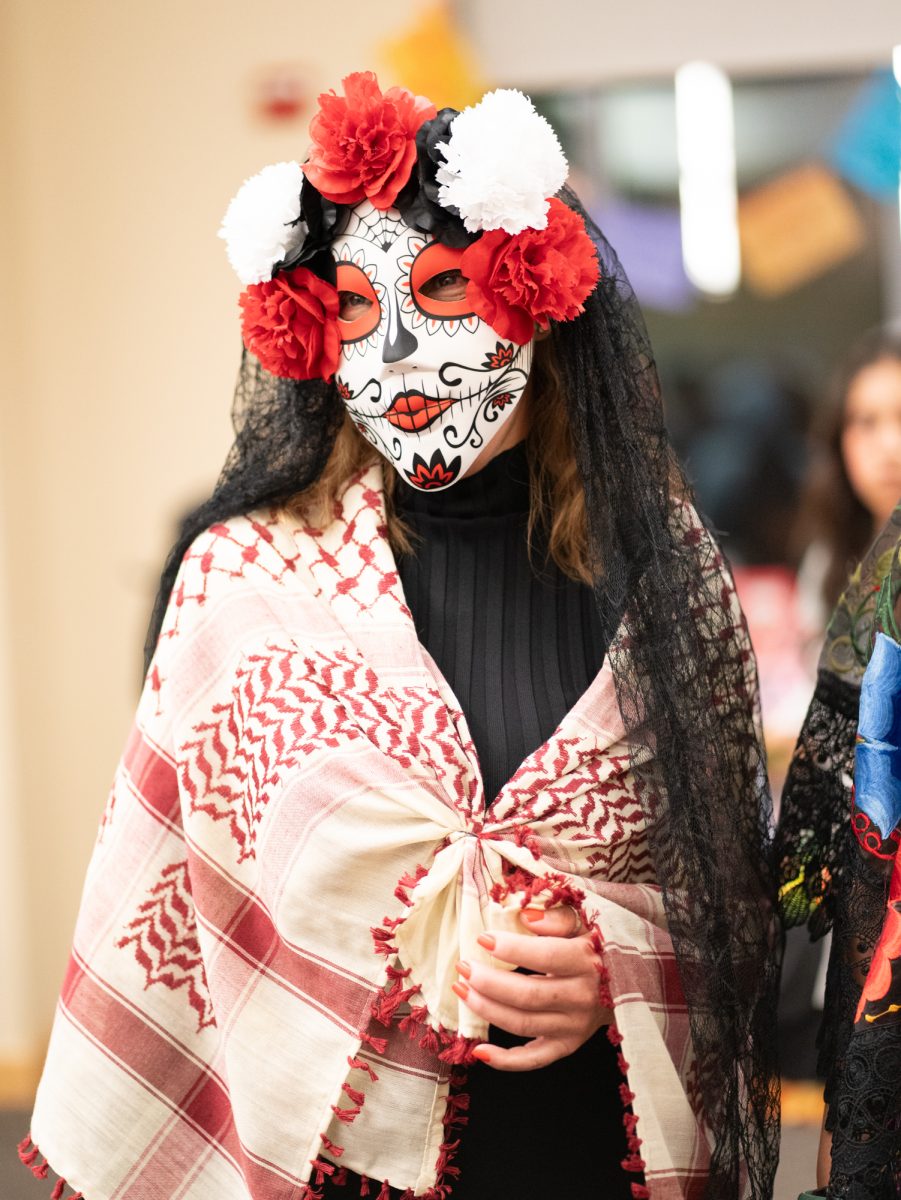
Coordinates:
x,y
830,511
557,507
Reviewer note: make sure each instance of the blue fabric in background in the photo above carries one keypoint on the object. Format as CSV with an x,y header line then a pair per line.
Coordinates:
x,y
867,146
877,769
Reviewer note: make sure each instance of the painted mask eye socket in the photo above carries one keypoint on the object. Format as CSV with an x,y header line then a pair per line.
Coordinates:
x,y
359,314
437,284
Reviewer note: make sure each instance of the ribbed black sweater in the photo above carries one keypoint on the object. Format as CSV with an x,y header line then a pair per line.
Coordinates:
x,y
519,644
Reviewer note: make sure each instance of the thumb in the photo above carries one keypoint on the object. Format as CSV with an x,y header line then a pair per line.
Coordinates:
x,y
562,921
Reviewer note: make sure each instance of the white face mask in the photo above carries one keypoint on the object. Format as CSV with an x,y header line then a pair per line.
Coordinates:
x,y
427,382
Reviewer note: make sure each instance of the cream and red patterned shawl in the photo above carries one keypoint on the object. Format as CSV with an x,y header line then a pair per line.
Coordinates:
x,y
295,852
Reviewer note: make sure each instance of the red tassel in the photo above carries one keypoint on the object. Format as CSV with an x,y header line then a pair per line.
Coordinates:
x,y
640,1192
459,1051
384,1191
347,1115
58,1190
383,943
322,1168
430,1040
331,1148
364,1186
357,1064
27,1156
633,1163
411,880
339,1179
352,1094
30,1158
379,1045
414,1018
386,1004
605,996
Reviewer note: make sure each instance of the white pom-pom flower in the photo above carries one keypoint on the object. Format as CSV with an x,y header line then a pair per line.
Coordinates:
x,y
257,226
503,164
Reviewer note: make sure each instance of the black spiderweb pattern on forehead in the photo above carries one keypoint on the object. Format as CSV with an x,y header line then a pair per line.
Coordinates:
x,y
380,228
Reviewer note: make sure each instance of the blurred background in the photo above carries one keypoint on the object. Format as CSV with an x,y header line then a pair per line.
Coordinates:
x,y
742,158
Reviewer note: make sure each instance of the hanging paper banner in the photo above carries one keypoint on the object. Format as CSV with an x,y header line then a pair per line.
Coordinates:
x,y
867,147
433,58
648,242
796,228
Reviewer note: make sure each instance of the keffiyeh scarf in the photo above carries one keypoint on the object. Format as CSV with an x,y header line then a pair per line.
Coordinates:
x,y
294,854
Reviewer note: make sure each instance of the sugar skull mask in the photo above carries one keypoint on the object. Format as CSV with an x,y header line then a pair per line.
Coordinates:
x,y
424,379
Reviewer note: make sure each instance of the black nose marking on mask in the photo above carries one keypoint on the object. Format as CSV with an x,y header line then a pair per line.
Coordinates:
x,y
403,343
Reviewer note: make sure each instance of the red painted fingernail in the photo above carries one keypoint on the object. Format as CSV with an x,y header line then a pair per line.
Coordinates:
x,y
464,969
533,914
462,989
482,1053
487,940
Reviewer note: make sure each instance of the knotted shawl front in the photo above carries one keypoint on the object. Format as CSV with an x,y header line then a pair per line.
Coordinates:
x,y
294,854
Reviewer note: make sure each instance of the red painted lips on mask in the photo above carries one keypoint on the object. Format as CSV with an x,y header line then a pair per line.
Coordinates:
x,y
412,411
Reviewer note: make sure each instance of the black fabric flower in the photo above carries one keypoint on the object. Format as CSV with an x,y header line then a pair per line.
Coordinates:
x,y
322,217
418,202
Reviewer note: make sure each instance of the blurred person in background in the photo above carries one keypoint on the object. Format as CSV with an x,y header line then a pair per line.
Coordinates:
x,y
854,483
855,475
438,861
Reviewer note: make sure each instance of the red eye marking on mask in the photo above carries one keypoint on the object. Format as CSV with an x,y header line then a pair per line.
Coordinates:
x,y
434,260
351,278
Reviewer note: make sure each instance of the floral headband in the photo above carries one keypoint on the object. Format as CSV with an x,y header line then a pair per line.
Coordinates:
x,y
483,179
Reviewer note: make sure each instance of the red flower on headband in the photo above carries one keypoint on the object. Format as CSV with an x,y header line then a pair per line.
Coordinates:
x,y
291,324
539,275
364,142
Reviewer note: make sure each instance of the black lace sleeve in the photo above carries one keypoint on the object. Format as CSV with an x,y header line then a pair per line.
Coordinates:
x,y
816,801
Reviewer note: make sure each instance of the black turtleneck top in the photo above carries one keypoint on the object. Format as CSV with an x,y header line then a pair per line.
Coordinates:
x,y
519,643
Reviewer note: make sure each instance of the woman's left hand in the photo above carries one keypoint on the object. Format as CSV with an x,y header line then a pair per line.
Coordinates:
x,y
558,1008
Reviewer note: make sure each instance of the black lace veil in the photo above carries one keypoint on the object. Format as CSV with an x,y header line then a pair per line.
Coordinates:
x,y
683,666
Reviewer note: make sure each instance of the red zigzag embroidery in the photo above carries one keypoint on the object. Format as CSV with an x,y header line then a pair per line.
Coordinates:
x,y
165,942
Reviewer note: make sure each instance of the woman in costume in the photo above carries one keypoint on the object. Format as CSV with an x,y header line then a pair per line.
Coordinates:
x,y
438,861
839,837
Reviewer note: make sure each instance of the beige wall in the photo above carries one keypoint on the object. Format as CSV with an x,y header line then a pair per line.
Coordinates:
x,y
126,131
